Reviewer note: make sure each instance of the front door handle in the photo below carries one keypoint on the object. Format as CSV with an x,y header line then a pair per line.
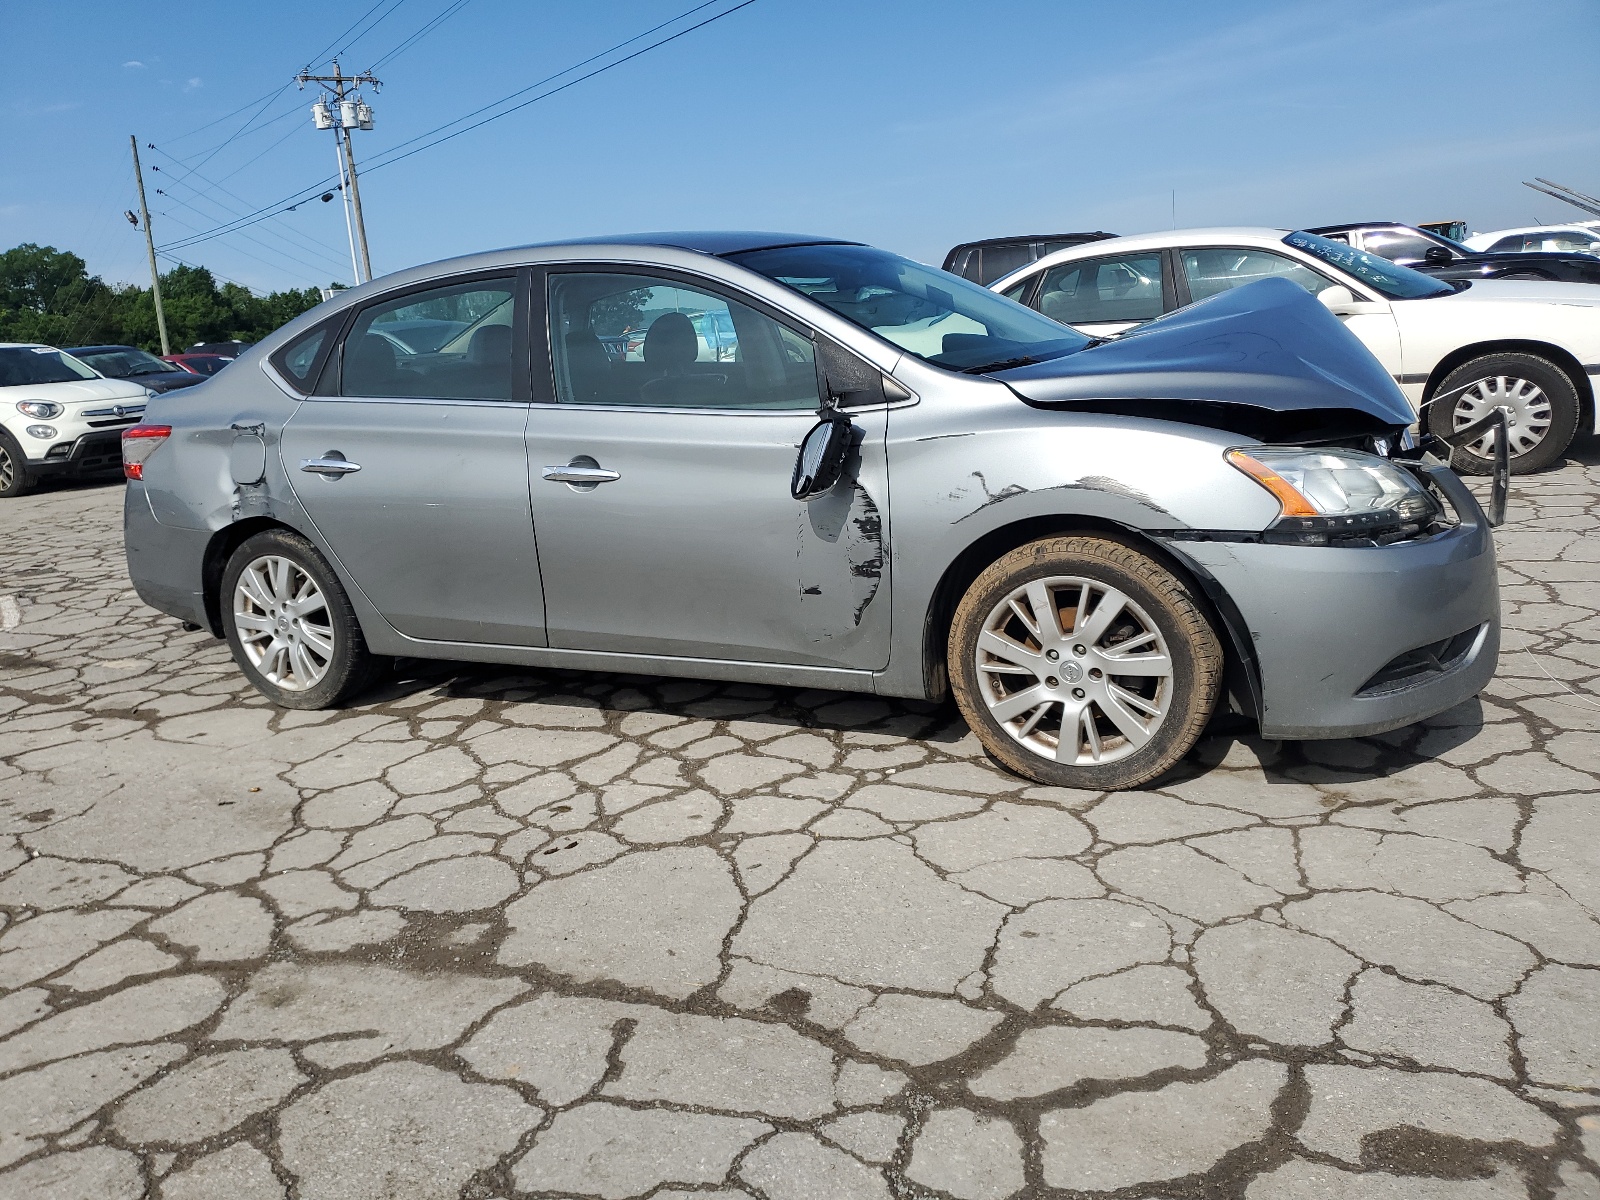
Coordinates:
x,y
331,466
578,473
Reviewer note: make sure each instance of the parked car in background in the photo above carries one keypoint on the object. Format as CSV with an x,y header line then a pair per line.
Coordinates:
x,y
59,417
984,262
1458,350
1454,230
1444,259
197,364
1090,544
230,349
129,362
1536,239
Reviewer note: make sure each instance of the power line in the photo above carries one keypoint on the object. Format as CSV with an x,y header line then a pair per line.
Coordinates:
x,y
321,56
294,199
423,32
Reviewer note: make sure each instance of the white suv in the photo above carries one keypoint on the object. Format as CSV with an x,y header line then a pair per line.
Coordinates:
x,y
58,417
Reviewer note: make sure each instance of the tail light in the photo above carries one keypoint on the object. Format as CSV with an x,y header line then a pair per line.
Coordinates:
x,y
139,442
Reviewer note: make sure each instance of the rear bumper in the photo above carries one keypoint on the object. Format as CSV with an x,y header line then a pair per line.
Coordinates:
x,y
96,453
165,563
1333,629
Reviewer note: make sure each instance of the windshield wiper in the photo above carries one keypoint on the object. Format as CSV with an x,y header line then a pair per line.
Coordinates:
x,y
1004,364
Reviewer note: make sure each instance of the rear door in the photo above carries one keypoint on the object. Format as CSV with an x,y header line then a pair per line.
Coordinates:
x,y
413,468
1103,296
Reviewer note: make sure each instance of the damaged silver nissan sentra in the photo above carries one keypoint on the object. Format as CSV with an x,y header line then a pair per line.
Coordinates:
x,y
805,462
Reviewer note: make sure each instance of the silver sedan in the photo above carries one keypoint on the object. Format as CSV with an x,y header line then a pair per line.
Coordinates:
x,y
876,477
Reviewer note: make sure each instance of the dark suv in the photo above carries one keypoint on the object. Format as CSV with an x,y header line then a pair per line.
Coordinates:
x,y
1444,259
984,262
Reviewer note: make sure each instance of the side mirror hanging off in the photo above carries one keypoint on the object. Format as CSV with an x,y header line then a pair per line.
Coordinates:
x,y
822,455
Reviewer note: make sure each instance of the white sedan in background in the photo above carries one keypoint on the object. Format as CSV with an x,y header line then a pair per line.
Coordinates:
x,y
1457,350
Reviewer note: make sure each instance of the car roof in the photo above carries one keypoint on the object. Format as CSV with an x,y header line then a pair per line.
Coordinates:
x,y
25,346
97,349
1573,228
1218,235
705,241
1349,225
1098,235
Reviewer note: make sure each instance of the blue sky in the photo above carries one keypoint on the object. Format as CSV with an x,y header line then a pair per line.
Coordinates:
x,y
911,125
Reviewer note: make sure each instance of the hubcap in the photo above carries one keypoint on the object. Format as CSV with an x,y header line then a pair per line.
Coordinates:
x,y
1074,670
283,623
1526,406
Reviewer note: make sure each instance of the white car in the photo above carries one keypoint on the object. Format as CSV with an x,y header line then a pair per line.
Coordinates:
x,y
58,417
1458,350
1537,239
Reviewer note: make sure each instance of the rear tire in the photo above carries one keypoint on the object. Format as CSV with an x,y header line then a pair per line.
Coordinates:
x,y
1543,402
1034,658
15,478
290,625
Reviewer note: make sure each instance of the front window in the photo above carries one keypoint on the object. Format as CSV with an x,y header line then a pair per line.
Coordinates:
x,y
639,340
40,364
1382,276
125,362
942,318
1214,269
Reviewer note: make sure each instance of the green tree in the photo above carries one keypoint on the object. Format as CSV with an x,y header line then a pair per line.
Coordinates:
x,y
47,295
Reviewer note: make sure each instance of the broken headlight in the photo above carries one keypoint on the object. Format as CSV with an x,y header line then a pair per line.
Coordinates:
x,y
1333,497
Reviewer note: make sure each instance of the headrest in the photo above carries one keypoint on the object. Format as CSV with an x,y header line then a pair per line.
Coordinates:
x,y
491,344
373,356
671,342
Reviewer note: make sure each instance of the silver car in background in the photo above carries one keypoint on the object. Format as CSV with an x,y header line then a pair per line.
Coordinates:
x,y
879,477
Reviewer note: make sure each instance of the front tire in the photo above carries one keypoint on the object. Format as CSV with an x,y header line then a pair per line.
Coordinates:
x,y
1541,403
290,625
1081,662
15,478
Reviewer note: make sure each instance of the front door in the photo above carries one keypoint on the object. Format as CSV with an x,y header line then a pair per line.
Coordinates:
x,y
661,478
414,468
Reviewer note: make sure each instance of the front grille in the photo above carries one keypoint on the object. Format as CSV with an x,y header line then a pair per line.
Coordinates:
x,y
114,421
1423,663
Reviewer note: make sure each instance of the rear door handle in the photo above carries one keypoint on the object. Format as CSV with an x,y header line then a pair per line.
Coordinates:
x,y
573,473
329,467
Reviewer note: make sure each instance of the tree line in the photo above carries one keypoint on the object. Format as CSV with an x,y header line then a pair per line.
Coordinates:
x,y
47,295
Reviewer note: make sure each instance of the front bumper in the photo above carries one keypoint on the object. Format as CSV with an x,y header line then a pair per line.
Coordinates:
x,y
1334,630
98,452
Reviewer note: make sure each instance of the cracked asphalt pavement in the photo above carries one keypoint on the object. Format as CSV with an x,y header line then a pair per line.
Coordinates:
x,y
507,933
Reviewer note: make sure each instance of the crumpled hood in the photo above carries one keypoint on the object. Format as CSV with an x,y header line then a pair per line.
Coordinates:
x,y
1266,348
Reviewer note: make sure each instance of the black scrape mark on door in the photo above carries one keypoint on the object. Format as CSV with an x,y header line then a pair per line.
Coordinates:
x,y
866,558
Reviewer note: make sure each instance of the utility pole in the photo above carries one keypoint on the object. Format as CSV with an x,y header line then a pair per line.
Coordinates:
x,y
353,113
150,245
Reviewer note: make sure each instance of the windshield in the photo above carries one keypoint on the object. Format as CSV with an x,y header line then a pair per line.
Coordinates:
x,y
39,364
949,321
1379,274
125,362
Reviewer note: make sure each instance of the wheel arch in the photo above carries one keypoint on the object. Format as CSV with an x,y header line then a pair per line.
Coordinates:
x,y
215,561
1241,678
1558,357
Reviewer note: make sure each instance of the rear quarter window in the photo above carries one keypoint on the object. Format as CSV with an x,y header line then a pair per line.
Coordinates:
x,y
301,359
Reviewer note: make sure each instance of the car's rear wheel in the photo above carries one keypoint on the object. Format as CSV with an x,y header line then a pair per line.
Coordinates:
x,y
290,624
15,477
1081,662
1540,402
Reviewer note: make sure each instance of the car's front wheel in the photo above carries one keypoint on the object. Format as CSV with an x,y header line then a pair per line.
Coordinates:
x,y
15,477
1081,662
290,624
1540,402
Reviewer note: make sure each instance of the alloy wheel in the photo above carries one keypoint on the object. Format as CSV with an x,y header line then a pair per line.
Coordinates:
x,y
284,626
1074,670
8,469
1528,412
